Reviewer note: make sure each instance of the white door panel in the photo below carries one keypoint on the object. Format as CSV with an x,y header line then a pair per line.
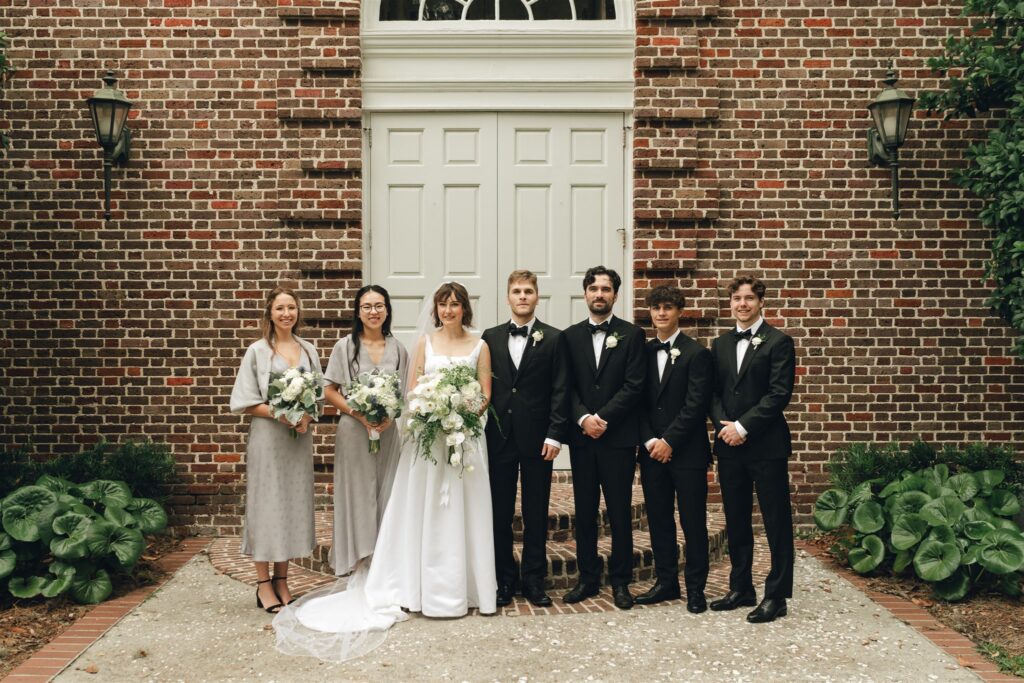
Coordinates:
x,y
474,196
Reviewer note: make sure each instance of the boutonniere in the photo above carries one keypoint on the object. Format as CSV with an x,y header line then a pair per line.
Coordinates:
x,y
612,340
757,341
673,354
537,337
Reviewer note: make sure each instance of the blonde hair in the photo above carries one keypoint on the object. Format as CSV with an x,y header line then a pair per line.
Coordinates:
x,y
519,276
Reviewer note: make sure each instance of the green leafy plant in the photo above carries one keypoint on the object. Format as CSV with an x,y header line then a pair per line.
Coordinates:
x,y
59,537
955,530
985,71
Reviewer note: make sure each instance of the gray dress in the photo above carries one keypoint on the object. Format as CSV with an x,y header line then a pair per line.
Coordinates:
x,y
362,482
279,521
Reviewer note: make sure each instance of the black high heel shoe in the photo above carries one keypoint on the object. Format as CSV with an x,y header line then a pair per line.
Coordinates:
x,y
282,578
273,609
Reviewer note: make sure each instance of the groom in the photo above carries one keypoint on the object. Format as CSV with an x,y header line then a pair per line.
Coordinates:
x,y
529,393
755,367
607,370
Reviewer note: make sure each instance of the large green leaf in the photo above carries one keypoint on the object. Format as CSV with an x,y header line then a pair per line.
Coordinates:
x,y
908,530
911,482
109,493
868,517
1002,552
942,472
943,511
27,511
73,543
970,555
105,538
830,509
1003,523
92,589
71,523
26,587
119,517
943,533
964,485
902,561
1004,503
911,501
955,587
1009,584
860,493
935,561
869,555
989,479
977,530
58,485
149,514
8,560
57,585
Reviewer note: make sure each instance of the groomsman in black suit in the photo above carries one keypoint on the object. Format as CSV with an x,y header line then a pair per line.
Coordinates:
x,y
529,392
606,356
676,454
755,367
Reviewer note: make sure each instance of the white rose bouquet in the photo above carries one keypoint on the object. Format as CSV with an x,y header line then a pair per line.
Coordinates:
x,y
293,394
447,404
378,396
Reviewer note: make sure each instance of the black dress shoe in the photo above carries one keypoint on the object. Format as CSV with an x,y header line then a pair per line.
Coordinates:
x,y
536,595
659,592
505,593
580,592
696,602
732,600
622,597
770,609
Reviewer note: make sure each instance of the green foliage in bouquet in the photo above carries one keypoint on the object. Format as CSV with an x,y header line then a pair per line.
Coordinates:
x,y
446,405
954,529
59,537
293,394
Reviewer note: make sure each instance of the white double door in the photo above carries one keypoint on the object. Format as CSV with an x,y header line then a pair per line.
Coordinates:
x,y
474,196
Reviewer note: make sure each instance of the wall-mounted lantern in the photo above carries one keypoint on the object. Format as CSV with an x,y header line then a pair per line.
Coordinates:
x,y
109,108
890,113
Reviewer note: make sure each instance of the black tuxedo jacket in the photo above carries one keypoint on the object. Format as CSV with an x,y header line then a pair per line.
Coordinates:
x,y
755,394
677,405
532,403
613,388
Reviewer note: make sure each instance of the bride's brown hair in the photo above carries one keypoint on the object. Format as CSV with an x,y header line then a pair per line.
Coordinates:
x,y
461,295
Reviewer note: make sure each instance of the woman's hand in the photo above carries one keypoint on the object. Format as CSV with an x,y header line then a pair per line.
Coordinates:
x,y
303,425
384,424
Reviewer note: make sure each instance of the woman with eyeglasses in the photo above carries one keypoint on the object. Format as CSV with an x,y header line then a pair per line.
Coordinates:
x,y
362,480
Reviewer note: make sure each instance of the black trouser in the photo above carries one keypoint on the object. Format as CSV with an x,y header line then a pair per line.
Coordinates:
x,y
665,486
504,473
610,470
738,477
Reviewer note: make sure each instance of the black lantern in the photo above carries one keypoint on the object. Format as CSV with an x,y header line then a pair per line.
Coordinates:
x,y
890,113
109,108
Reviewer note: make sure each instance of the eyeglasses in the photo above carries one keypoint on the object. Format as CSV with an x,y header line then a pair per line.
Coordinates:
x,y
374,308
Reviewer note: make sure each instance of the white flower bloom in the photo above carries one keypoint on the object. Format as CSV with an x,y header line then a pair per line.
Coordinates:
x,y
537,337
674,353
756,341
456,458
611,341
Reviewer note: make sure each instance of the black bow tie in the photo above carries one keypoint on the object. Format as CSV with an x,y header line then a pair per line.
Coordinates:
x,y
603,327
662,346
745,334
516,331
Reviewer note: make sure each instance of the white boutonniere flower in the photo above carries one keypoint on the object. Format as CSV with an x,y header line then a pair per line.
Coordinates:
x,y
537,337
673,354
756,341
612,341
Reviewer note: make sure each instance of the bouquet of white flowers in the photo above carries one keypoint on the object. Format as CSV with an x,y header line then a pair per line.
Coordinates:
x,y
378,396
447,404
295,393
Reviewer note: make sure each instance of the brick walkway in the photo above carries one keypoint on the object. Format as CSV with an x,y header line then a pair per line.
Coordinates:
x,y
62,650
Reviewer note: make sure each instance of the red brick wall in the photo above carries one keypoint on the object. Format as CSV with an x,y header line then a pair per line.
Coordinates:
x,y
246,172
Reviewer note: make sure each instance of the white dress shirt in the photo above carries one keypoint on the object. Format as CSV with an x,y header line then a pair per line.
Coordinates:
x,y
662,364
741,350
516,349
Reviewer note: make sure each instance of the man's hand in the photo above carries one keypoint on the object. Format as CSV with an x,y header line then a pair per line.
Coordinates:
x,y
594,427
549,452
661,451
729,434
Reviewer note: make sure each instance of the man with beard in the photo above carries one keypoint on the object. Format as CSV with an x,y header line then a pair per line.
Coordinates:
x,y
607,369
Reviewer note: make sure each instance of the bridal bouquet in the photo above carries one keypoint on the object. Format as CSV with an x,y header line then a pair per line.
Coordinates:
x,y
378,396
294,393
447,404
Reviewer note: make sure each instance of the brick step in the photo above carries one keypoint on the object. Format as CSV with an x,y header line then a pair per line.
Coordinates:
x,y
562,515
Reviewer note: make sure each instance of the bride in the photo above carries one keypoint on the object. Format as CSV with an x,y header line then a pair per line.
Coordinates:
x,y
435,550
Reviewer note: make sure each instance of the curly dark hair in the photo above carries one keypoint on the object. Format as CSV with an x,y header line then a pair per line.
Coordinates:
x,y
672,296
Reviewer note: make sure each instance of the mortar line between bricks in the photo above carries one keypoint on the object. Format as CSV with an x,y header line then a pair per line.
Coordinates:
x,y
919,619
45,664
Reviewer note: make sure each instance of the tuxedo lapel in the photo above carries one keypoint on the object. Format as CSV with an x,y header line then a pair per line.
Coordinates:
x,y
587,347
527,351
762,331
729,346
669,366
502,353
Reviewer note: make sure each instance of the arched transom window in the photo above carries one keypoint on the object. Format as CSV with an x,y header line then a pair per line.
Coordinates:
x,y
497,10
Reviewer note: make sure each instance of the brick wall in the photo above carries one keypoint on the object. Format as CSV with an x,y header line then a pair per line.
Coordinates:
x,y
246,172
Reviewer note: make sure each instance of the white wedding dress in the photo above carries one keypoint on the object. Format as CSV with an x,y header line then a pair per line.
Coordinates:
x,y
434,555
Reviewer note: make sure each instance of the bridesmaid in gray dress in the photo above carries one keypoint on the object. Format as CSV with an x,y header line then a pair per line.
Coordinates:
x,y
362,481
279,468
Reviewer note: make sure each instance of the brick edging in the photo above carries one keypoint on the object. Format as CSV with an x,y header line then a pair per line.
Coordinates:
x,y
955,644
60,652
